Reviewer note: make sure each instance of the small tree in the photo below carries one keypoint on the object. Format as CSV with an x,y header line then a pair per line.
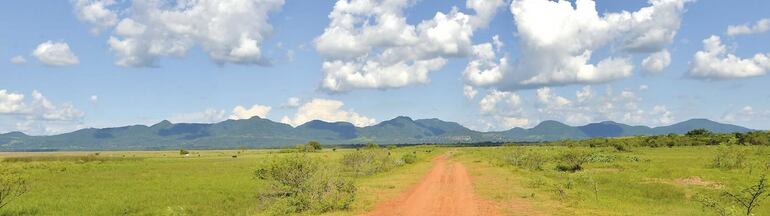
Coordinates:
x,y
12,186
698,132
314,145
750,197
183,152
371,146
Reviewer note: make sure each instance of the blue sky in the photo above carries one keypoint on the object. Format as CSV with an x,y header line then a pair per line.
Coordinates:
x,y
269,51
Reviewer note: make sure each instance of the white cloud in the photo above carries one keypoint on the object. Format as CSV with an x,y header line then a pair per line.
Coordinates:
x,y
663,115
210,115
656,62
240,112
94,98
746,115
484,68
291,102
36,114
326,110
546,97
714,62
96,13
502,111
588,106
230,31
557,42
11,103
18,60
369,44
760,26
469,92
643,87
55,54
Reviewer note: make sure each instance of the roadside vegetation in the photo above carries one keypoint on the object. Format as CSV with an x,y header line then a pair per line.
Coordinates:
x,y
698,173
192,182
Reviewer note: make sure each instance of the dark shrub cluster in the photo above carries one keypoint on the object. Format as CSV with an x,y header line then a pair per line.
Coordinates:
x,y
300,183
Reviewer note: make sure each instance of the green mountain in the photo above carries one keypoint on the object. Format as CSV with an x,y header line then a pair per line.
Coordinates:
x,y
264,133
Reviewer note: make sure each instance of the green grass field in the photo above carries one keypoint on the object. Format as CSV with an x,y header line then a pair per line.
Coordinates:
x,y
166,183
642,181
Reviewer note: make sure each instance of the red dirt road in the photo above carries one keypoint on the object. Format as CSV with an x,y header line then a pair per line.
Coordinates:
x,y
445,190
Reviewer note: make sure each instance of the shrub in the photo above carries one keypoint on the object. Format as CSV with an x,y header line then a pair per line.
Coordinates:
x,y
729,157
620,146
747,199
368,161
371,146
525,158
183,152
698,132
12,186
311,146
409,158
572,161
300,183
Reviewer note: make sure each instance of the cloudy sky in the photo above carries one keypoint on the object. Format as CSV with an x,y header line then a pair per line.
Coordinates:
x,y
487,64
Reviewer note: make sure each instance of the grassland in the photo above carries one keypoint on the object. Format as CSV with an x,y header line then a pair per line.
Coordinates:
x,y
166,183
642,181
519,180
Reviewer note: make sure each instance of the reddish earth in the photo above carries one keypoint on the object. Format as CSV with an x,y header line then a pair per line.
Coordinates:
x,y
445,190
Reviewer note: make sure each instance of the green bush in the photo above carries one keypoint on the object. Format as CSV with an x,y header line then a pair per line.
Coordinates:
x,y
572,160
729,157
311,146
368,161
299,183
525,158
409,158
12,186
371,146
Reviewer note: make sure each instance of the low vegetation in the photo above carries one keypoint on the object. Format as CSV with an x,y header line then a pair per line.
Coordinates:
x,y
699,173
301,183
12,186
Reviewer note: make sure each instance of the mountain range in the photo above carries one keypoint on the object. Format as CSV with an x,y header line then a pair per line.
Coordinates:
x,y
264,133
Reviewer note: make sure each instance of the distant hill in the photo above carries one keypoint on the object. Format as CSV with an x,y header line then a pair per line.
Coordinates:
x,y
263,133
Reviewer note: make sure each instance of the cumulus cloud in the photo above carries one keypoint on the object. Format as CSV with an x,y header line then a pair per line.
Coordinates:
x,y
326,110
557,41
240,112
714,62
590,106
11,103
760,26
369,44
485,68
230,31
55,54
502,111
96,12
291,102
36,114
94,98
469,92
656,62
18,60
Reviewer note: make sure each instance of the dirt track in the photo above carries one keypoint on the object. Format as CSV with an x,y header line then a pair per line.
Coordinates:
x,y
445,190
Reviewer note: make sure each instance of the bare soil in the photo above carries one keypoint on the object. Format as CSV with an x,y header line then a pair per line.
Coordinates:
x,y
445,190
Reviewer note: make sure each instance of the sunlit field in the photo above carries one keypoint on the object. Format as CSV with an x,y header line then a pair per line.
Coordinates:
x,y
517,180
168,183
